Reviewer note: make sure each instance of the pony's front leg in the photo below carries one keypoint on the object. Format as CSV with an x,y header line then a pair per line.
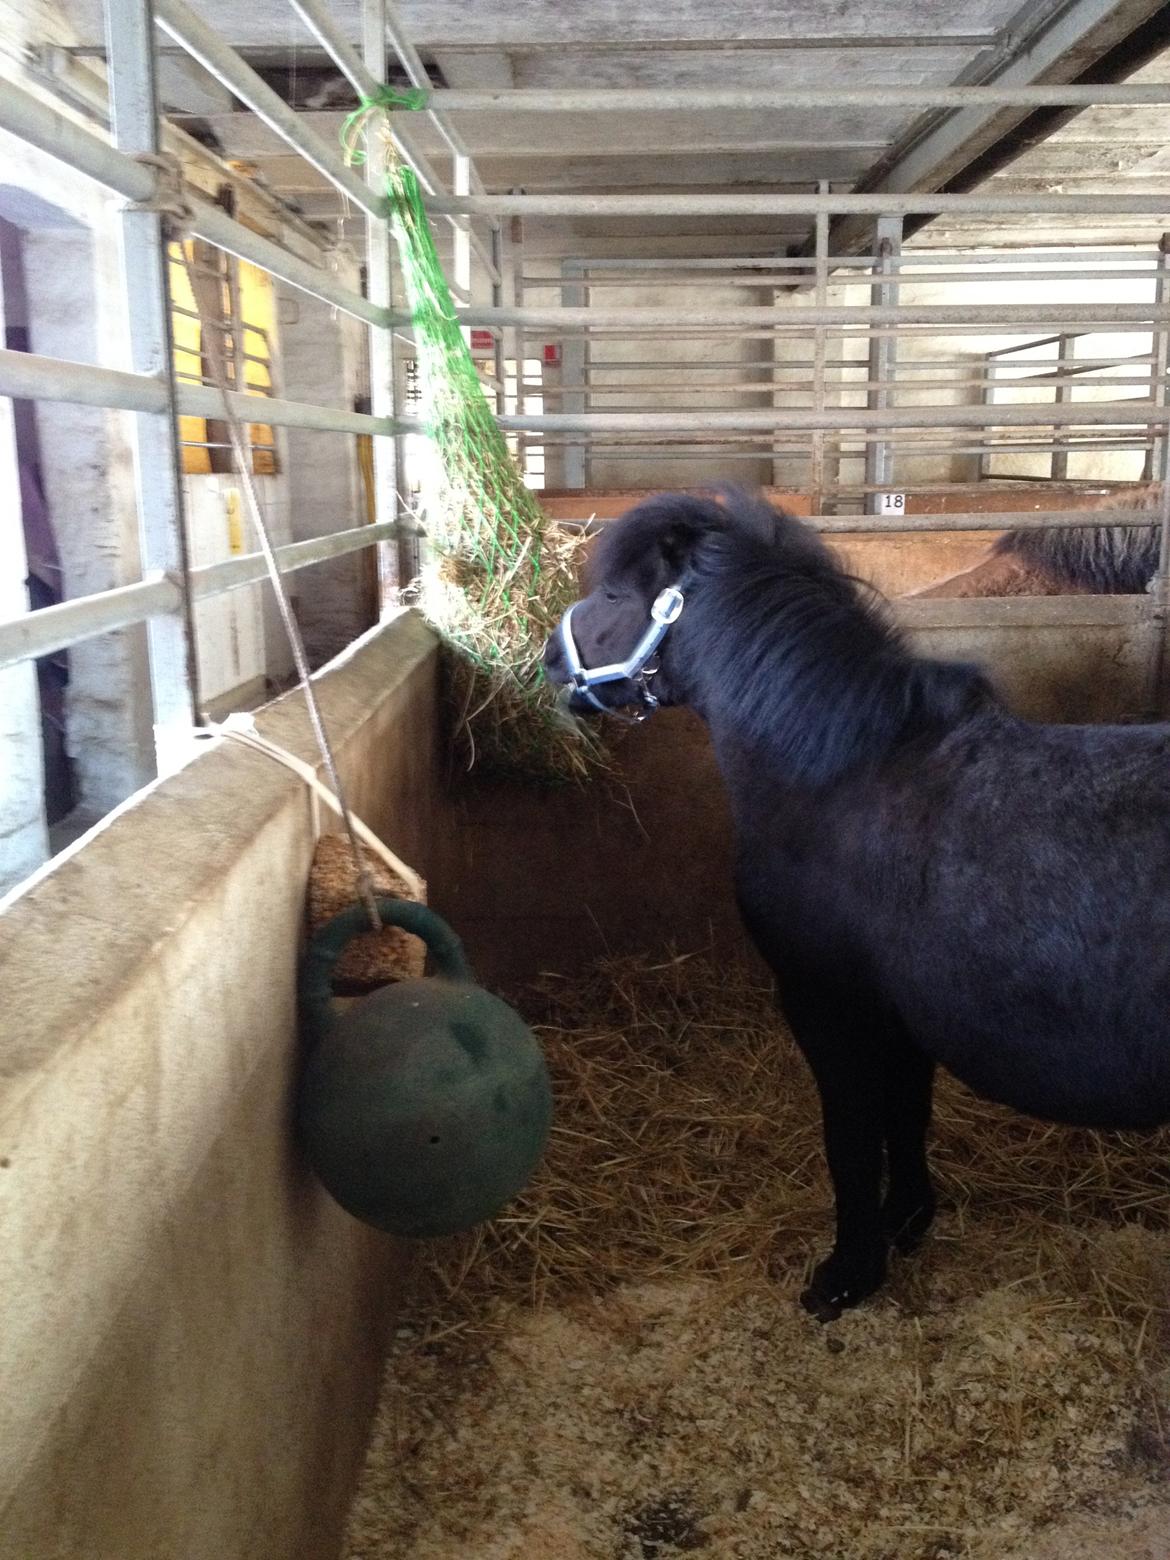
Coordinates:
x,y
845,1062
910,1201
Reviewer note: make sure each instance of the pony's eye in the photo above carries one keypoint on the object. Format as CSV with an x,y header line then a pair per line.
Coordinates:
x,y
611,595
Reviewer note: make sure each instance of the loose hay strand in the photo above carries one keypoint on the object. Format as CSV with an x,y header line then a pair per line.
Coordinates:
x,y
620,1358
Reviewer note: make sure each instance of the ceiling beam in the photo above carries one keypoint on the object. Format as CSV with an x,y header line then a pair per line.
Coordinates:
x,y
1052,43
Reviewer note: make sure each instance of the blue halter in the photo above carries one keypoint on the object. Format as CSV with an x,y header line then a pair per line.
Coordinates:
x,y
667,606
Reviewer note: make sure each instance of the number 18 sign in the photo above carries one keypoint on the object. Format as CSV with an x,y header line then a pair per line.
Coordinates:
x,y
892,504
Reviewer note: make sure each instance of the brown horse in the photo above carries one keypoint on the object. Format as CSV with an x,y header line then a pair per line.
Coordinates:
x,y
1101,560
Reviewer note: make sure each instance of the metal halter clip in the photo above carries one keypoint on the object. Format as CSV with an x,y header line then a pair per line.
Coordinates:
x,y
667,605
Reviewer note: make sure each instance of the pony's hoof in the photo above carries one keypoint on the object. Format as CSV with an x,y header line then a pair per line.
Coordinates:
x,y
905,1224
837,1285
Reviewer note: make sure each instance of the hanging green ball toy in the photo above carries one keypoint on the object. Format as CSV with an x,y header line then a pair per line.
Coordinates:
x,y
425,1106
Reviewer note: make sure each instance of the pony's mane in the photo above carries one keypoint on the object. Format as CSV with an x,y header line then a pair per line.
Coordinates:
x,y
796,654
1109,560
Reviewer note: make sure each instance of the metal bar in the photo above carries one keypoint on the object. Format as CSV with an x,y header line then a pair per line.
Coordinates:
x,y
367,83
513,335
1160,357
162,534
846,386
879,461
752,204
1133,413
395,565
1011,520
496,238
27,117
417,73
214,579
50,629
25,376
210,223
574,363
919,256
204,401
806,277
174,17
1062,395
922,365
820,351
1021,316
606,100
461,264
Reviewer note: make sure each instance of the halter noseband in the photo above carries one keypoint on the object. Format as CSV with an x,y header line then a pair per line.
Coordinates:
x,y
668,604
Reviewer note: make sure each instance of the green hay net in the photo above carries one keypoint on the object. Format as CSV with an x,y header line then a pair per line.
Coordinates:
x,y
498,576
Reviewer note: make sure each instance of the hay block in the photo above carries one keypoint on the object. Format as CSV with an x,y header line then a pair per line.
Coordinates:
x,y
374,958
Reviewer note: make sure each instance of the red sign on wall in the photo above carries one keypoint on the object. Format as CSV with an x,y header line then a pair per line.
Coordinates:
x,y
552,354
481,341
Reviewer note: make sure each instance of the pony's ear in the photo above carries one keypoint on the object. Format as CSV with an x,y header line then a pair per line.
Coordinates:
x,y
678,542
686,527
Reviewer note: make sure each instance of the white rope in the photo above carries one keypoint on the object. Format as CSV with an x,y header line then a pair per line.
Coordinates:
x,y
241,728
210,338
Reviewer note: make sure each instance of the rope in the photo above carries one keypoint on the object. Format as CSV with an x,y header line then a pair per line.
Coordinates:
x,y
240,452
241,728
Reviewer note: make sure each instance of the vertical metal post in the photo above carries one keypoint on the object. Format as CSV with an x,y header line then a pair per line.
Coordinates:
x,y
1159,586
883,357
1156,457
1066,346
817,461
987,367
461,270
158,466
397,564
24,834
516,333
574,355
496,240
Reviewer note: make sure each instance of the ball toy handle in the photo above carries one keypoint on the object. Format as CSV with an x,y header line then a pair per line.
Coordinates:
x,y
328,943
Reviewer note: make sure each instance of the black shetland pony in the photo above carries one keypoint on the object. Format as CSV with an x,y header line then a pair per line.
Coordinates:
x,y
930,878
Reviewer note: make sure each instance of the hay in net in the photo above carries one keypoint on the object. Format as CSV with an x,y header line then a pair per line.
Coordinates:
x,y
499,575
618,1368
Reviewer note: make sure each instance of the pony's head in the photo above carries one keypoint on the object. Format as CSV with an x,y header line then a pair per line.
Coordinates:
x,y
621,644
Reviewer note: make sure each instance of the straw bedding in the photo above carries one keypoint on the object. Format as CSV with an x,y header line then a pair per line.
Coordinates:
x,y
618,1369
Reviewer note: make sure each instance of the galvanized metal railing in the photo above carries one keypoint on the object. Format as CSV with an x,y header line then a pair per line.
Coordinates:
x,y
151,390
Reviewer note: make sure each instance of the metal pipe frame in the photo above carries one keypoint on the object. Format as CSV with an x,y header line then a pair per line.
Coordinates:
x,y
154,395
752,204
1016,316
56,628
807,278
1131,413
843,386
24,375
1006,520
865,262
222,62
605,100
32,121
162,531
366,79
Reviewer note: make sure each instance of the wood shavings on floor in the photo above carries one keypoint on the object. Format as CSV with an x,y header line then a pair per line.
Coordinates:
x,y
618,1369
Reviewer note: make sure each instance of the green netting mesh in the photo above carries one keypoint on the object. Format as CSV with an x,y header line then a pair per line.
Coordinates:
x,y
498,576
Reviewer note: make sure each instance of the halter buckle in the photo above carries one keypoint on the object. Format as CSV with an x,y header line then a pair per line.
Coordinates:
x,y
667,605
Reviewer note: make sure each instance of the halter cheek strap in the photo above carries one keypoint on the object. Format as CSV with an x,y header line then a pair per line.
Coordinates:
x,y
668,604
